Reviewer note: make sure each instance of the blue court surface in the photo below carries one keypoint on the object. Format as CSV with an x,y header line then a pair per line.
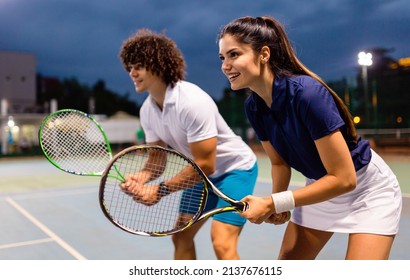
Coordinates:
x,y
46,214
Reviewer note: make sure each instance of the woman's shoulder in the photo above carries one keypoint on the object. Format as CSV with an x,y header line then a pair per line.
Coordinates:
x,y
304,86
303,81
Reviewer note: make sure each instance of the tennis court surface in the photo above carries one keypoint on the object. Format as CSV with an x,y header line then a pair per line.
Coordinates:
x,y
46,214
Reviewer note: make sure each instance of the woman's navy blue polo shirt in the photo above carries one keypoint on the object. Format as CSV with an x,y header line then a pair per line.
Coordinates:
x,y
302,111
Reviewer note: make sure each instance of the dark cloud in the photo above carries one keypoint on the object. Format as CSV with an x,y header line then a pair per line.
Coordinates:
x,y
82,38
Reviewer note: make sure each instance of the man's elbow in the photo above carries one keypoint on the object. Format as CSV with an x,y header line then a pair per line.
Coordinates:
x,y
208,170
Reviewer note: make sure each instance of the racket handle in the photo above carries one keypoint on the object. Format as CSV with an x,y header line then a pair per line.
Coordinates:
x,y
245,206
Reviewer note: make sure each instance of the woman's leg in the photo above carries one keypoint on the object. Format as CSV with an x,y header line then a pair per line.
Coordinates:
x,y
365,246
301,243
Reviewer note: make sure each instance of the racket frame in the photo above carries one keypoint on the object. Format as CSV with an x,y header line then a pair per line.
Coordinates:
x,y
40,137
235,205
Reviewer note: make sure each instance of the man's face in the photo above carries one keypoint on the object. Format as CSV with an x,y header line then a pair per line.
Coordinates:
x,y
143,80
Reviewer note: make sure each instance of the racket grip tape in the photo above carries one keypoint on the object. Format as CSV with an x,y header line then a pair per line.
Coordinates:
x,y
245,206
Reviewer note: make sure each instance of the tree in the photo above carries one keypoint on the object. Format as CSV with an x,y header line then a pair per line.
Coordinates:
x,y
231,107
108,102
390,90
70,93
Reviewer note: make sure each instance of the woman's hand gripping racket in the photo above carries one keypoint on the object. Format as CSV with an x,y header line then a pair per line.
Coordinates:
x,y
74,142
164,192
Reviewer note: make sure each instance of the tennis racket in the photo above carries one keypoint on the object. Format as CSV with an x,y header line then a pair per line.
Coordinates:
x,y
74,142
172,194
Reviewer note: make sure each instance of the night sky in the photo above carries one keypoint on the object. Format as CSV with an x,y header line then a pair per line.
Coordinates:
x,y
82,39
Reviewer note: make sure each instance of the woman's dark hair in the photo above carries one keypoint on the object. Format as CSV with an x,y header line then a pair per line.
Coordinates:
x,y
155,52
266,31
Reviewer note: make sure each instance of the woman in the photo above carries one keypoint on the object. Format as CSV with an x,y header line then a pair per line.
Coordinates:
x,y
303,124
181,115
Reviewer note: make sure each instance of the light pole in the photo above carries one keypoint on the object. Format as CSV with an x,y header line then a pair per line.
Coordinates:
x,y
365,60
3,134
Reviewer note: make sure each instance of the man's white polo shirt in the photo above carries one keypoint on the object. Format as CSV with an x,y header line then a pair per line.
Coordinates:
x,y
190,115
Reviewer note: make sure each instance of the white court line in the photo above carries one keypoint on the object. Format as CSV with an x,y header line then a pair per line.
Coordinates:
x,y
26,243
46,230
54,193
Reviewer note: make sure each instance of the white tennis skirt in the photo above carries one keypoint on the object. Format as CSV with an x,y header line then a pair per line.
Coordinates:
x,y
373,207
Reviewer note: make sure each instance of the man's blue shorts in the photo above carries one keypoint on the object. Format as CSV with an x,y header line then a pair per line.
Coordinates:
x,y
236,184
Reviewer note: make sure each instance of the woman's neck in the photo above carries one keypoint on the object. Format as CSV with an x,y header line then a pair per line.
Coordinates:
x,y
265,87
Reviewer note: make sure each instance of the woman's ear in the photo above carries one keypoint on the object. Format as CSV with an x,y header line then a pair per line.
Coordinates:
x,y
265,54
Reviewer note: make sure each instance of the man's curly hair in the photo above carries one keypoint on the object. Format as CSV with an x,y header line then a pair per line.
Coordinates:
x,y
155,52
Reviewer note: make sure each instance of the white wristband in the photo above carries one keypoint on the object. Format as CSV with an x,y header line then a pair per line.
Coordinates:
x,y
283,201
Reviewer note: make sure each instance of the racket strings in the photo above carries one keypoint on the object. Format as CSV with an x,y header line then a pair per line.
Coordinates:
x,y
164,216
75,143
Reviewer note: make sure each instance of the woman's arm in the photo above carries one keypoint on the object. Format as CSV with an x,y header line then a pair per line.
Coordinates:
x,y
262,208
340,178
280,170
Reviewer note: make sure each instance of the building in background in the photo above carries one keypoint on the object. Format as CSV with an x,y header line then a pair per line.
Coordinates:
x,y
18,97
18,81
27,97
